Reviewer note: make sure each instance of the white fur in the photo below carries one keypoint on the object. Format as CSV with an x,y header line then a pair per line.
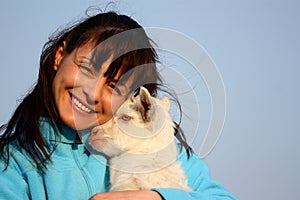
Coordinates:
x,y
141,146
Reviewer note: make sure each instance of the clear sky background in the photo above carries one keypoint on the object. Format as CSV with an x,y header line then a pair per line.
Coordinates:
x,y
256,47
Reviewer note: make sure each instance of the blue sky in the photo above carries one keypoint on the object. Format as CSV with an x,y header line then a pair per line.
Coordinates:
x,y
255,46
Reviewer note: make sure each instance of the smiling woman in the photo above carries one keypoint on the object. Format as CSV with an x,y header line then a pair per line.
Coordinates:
x,y
86,72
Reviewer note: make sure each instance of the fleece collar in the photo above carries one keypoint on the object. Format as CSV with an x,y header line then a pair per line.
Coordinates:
x,y
52,133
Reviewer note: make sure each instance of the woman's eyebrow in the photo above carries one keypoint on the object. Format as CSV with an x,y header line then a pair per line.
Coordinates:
x,y
116,80
85,58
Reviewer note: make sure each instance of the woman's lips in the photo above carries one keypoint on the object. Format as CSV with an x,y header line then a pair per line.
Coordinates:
x,y
80,106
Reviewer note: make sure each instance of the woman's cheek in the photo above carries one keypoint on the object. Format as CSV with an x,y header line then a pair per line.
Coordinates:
x,y
116,102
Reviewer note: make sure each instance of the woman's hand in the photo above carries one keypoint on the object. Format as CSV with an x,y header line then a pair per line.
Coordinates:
x,y
128,195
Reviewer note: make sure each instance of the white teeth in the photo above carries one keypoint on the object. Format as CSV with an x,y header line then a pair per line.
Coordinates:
x,y
79,105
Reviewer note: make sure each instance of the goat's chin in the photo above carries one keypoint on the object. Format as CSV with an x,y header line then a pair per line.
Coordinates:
x,y
110,150
98,144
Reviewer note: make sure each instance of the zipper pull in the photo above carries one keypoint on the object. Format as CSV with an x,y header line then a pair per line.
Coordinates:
x,y
74,146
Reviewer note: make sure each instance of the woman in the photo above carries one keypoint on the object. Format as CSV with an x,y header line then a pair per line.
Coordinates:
x,y
86,72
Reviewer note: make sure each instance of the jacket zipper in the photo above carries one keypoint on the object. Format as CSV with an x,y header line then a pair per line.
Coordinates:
x,y
86,178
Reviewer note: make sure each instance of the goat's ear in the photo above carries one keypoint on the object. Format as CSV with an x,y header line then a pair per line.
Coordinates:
x,y
146,102
131,99
166,102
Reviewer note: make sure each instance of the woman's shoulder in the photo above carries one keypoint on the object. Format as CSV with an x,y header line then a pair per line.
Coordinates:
x,y
190,160
15,151
19,160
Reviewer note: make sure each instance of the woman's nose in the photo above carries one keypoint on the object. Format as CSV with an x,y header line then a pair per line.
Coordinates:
x,y
93,91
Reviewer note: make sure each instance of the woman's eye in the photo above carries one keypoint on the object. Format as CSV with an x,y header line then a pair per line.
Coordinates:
x,y
87,70
115,88
126,117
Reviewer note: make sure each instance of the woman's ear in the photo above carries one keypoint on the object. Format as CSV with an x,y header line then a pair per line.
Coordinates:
x,y
59,55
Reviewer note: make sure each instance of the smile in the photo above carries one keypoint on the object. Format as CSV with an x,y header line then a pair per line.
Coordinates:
x,y
80,106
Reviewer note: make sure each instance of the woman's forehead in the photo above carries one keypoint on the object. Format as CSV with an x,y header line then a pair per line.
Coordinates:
x,y
85,51
87,54
90,52
117,69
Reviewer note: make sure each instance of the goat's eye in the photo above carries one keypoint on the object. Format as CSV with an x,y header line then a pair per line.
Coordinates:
x,y
126,117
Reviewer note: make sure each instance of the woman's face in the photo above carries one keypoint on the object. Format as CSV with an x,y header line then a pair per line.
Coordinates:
x,y
83,96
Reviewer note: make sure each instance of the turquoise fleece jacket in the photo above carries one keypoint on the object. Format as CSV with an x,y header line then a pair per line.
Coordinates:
x,y
74,173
